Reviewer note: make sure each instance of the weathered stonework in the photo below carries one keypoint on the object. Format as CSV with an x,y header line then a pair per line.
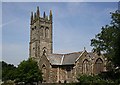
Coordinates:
x,y
58,68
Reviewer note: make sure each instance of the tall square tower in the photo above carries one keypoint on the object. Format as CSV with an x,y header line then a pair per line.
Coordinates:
x,y
40,34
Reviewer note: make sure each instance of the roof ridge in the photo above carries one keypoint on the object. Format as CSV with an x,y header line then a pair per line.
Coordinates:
x,y
68,53
73,53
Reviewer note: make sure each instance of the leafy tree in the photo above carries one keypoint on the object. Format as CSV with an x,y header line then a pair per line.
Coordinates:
x,y
28,72
91,80
111,75
8,71
108,40
116,24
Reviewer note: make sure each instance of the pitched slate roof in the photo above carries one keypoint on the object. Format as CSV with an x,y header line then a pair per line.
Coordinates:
x,y
55,59
71,58
64,59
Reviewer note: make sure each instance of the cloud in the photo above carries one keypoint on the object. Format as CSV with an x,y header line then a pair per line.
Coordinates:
x,y
7,23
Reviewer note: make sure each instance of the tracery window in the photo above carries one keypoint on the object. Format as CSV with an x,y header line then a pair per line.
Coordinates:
x,y
85,66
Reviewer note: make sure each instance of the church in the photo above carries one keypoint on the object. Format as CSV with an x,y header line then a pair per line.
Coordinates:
x,y
59,68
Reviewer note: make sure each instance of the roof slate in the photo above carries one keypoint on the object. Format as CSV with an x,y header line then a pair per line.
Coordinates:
x,y
63,59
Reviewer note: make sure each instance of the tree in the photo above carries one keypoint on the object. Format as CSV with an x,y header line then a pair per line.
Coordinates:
x,y
108,40
8,71
91,80
116,57
28,72
111,75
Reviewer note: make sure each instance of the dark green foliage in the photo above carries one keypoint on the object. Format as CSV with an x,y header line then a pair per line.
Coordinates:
x,y
116,23
8,71
108,40
92,80
108,43
116,57
28,72
113,75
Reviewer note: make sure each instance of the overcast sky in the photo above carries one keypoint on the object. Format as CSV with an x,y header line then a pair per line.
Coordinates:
x,y
74,25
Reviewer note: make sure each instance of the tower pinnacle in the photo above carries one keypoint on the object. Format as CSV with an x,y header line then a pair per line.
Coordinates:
x,y
38,12
50,16
51,12
44,15
34,16
31,17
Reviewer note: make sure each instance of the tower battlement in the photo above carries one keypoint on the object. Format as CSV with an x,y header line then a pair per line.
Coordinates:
x,y
36,16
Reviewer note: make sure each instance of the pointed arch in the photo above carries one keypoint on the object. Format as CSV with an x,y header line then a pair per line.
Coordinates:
x,y
85,67
98,66
41,30
47,32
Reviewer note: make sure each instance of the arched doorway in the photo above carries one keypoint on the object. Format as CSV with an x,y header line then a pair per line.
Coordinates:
x,y
98,66
85,67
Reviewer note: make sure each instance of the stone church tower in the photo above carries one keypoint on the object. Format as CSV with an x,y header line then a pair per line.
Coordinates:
x,y
40,35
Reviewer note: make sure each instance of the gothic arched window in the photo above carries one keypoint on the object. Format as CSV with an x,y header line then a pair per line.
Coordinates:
x,y
98,66
85,66
33,32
